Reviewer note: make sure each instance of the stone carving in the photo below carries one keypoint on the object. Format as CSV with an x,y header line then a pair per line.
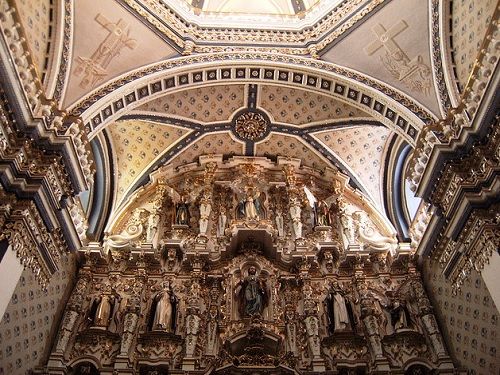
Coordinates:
x,y
295,215
205,209
129,235
369,235
93,69
291,332
221,223
128,332
414,73
250,126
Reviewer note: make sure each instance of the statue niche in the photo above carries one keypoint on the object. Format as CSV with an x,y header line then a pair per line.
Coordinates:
x,y
182,211
339,310
251,294
164,310
102,311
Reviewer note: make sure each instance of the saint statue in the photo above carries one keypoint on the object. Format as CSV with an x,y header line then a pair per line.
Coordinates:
x,y
295,214
205,209
339,310
182,212
252,294
103,311
400,317
280,224
221,224
322,214
165,306
153,221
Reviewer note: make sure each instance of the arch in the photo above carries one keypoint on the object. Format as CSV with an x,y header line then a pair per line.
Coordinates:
x,y
442,53
60,54
82,361
395,202
389,106
418,364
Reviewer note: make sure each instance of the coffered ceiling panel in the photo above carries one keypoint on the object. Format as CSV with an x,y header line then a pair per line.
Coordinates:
x,y
362,149
38,25
136,145
283,145
208,104
108,41
299,107
215,143
393,46
470,19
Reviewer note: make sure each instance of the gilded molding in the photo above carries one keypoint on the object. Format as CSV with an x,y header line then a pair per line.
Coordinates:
x,y
445,135
211,40
47,121
437,63
477,242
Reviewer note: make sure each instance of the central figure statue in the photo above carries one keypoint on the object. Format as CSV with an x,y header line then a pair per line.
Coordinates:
x,y
252,294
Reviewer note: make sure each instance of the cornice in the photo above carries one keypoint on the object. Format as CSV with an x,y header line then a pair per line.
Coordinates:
x,y
309,40
386,104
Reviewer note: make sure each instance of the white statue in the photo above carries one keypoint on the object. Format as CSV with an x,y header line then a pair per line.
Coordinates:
x,y
221,224
295,212
347,224
280,224
205,209
153,220
164,318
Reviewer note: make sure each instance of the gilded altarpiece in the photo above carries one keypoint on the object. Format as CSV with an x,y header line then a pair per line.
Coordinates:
x,y
245,266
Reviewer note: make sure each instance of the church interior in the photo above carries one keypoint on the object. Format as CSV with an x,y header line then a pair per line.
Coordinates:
x,y
233,187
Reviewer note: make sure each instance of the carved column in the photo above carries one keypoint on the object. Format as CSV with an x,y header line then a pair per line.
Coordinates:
x,y
368,316
73,311
428,319
212,328
311,322
192,325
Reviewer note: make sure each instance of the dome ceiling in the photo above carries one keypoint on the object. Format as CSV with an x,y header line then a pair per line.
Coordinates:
x,y
308,79
253,120
296,27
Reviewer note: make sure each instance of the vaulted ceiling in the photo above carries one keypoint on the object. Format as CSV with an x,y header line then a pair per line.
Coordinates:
x,y
344,85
